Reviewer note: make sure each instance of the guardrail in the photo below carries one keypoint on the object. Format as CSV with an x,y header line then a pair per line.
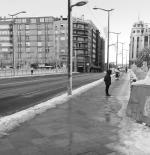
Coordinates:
x,y
27,72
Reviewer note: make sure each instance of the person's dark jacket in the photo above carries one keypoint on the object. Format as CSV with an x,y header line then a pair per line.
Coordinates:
x,y
107,78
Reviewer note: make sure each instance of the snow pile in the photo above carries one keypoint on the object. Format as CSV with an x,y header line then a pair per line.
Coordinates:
x,y
134,138
145,81
7,123
133,77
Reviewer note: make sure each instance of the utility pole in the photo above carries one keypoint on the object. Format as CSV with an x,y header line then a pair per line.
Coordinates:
x,y
14,61
69,64
117,47
122,52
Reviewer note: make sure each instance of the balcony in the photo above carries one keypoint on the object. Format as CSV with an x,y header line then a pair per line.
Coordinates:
x,y
77,33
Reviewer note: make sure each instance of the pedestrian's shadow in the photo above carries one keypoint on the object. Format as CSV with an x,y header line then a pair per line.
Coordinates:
x,y
107,109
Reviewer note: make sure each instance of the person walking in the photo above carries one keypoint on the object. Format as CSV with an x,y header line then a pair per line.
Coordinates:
x,y
107,80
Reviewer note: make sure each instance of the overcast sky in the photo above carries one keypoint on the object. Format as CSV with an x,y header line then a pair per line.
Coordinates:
x,y
121,19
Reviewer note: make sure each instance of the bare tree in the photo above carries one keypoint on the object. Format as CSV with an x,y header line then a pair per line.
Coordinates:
x,y
144,55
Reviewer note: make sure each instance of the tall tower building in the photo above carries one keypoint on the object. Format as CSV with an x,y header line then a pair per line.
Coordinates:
x,y
139,39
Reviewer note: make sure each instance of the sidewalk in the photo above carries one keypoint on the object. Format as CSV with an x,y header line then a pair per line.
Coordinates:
x,y
87,124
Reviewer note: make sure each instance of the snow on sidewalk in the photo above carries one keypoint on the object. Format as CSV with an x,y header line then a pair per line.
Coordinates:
x,y
134,138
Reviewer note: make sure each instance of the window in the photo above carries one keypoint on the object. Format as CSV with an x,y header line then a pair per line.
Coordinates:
x,y
74,25
62,51
39,49
39,26
39,38
4,32
62,31
50,38
6,44
80,59
27,26
19,45
41,20
27,38
27,43
4,49
4,26
18,20
146,41
47,20
56,27
39,32
138,31
62,38
40,55
27,32
24,20
50,44
50,31
33,20
4,38
39,43
27,49
50,26
132,47
47,50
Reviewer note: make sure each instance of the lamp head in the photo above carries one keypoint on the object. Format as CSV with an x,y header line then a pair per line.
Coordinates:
x,y
81,3
111,9
23,12
95,8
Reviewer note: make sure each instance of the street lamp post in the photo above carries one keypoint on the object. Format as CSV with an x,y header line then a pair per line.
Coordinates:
x,y
108,11
12,17
126,56
117,47
122,51
81,3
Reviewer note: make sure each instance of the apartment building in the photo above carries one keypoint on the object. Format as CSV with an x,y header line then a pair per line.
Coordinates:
x,y
85,45
34,41
39,41
60,43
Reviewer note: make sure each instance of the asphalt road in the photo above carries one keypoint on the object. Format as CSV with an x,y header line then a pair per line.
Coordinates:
x,y
20,93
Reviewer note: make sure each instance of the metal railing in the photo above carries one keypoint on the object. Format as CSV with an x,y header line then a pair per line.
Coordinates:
x,y
4,73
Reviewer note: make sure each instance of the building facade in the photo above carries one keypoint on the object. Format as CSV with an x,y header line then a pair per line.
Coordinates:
x,y
6,44
33,41
139,39
39,41
61,37
86,46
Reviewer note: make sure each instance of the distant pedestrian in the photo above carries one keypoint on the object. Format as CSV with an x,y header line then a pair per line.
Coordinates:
x,y
117,73
107,80
32,71
126,69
